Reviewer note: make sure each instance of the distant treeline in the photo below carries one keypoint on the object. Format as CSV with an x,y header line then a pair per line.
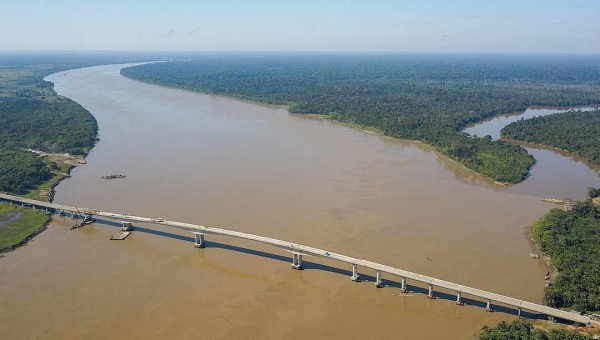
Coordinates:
x,y
576,132
572,239
420,97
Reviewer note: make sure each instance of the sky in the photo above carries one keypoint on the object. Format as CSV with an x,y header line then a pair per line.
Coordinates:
x,y
505,26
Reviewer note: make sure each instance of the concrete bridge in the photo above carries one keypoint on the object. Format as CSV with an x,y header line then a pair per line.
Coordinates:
x,y
298,251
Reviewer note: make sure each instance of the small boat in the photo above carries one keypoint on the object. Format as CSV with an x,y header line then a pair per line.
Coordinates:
x,y
113,176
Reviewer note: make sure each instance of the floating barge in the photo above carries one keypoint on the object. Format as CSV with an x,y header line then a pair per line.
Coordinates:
x,y
113,176
123,233
120,236
82,224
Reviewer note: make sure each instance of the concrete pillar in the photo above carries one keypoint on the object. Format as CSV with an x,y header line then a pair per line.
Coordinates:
x,y
519,315
430,294
403,287
489,306
297,261
354,276
378,283
199,240
458,298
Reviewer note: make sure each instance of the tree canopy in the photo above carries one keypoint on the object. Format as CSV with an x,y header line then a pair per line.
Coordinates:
x,y
523,330
572,239
575,131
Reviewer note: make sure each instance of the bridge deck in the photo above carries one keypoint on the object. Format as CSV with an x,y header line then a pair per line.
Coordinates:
x,y
306,250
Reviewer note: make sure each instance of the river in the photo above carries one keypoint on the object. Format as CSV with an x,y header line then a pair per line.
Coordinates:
x,y
210,160
556,174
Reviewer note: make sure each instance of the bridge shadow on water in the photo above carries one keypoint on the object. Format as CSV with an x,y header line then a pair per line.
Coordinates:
x,y
308,266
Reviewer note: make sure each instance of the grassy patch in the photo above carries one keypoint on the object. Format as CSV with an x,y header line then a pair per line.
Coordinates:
x,y
16,231
42,192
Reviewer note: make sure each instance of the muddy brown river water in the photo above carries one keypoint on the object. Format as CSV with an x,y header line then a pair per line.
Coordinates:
x,y
214,161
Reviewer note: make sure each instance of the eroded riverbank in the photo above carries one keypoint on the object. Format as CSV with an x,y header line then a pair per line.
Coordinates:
x,y
210,160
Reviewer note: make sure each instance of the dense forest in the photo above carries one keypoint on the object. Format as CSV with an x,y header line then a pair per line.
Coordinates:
x,y
577,132
20,171
572,239
522,330
32,116
421,97
56,125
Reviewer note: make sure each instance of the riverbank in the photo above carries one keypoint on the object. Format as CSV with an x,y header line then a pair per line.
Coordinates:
x,y
61,165
544,259
568,244
36,118
561,152
376,132
17,232
366,129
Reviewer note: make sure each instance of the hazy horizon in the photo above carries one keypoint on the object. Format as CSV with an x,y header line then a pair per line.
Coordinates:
x,y
462,26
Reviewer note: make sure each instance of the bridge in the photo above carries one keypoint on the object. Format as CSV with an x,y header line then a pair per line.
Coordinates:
x,y
299,250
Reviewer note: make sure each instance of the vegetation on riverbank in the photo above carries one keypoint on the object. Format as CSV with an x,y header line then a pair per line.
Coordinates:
x,y
523,330
577,132
33,116
428,98
572,240
15,231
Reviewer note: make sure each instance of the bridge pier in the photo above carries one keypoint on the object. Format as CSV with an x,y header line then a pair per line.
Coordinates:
x,y
297,261
355,277
488,308
378,283
127,226
199,240
430,294
519,315
403,285
61,213
73,215
459,298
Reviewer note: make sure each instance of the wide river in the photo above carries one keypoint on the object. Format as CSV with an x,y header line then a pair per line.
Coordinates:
x,y
215,161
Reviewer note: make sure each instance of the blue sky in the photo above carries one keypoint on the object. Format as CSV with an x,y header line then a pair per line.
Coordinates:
x,y
528,26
